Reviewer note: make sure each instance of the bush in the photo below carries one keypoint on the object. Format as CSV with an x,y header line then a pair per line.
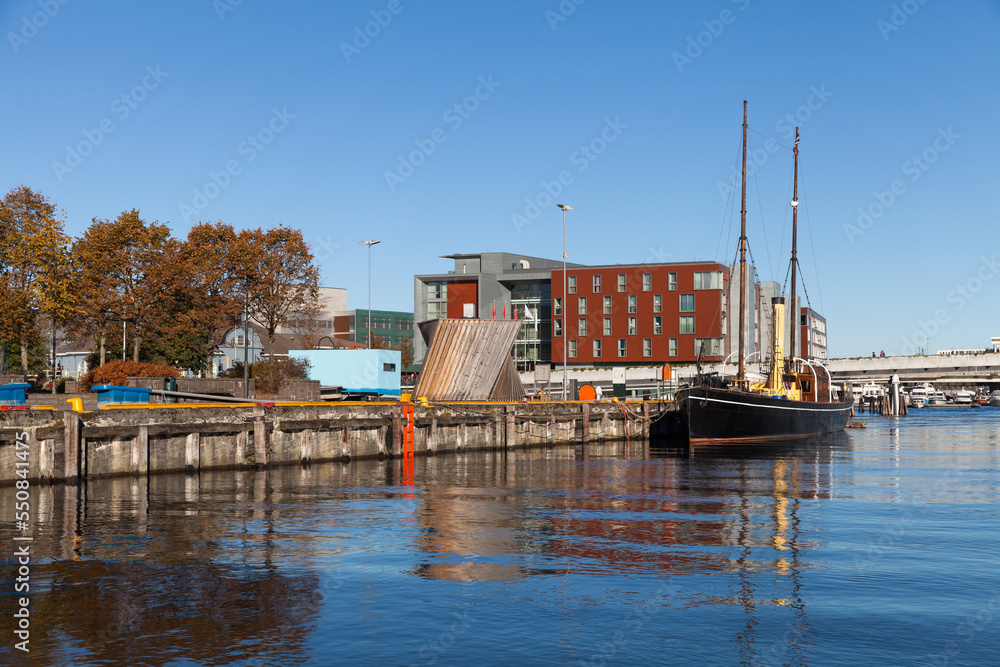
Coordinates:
x,y
270,376
118,372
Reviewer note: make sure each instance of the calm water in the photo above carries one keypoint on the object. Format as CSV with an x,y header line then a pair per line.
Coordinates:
x,y
878,546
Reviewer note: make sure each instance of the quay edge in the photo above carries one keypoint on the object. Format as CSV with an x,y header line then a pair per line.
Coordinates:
x,y
73,446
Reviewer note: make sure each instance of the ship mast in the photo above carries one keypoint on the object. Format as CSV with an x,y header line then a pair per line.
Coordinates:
x,y
741,374
794,319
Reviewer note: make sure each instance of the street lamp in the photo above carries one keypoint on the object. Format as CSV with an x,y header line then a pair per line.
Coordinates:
x,y
369,244
564,207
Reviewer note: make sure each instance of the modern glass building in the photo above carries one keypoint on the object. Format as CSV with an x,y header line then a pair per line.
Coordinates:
x,y
392,326
492,285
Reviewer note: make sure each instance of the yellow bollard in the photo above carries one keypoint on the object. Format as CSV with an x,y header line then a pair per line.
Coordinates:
x,y
76,403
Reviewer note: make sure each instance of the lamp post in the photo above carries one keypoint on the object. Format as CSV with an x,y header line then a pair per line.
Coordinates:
x,y
565,308
369,244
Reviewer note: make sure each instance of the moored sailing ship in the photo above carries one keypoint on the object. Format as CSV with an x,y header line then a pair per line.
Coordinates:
x,y
791,401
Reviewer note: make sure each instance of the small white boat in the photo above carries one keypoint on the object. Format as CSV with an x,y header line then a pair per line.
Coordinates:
x,y
995,399
862,393
919,396
937,398
963,397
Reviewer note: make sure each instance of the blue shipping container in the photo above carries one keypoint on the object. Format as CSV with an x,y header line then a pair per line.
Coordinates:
x,y
375,372
13,394
109,393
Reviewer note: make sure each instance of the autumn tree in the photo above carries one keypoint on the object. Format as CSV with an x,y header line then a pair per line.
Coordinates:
x,y
55,281
209,291
280,279
35,273
126,274
406,352
379,343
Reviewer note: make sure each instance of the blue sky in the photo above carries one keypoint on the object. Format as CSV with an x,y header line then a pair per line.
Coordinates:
x,y
259,113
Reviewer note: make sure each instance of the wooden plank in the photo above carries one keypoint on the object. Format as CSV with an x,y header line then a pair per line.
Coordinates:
x,y
164,429
454,421
330,424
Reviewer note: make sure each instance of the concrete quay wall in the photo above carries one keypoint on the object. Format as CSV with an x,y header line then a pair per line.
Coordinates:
x,y
73,446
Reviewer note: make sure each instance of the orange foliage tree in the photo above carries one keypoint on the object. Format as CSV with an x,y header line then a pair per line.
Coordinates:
x,y
280,279
127,273
35,269
209,291
117,373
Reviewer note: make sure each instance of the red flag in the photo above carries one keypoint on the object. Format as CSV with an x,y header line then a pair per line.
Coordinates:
x,y
505,310
494,310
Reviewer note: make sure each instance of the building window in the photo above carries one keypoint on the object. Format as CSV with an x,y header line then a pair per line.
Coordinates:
x,y
711,346
687,303
581,308
631,303
597,348
708,280
597,283
557,306
657,325
647,282
437,301
581,327
572,284
607,326
631,326
557,328
607,305
572,349
671,281
657,303
672,347
437,290
621,282
621,347
687,324
647,347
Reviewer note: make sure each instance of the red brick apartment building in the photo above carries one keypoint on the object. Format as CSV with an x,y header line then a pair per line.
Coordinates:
x,y
640,313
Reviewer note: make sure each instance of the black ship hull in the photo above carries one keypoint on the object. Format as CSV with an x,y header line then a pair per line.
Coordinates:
x,y
710,414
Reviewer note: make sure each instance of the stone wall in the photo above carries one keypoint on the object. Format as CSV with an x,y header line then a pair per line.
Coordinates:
x,y
138,441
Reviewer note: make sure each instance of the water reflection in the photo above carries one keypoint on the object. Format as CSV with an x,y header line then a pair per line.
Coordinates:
x,y
235,567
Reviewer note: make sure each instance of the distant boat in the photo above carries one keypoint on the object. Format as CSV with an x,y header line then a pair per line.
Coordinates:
x,y
920,395
872,390
792,401
963,397
936,398
995,399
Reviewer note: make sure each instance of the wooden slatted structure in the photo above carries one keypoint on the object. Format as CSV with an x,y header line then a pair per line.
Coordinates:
x,y
469,360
